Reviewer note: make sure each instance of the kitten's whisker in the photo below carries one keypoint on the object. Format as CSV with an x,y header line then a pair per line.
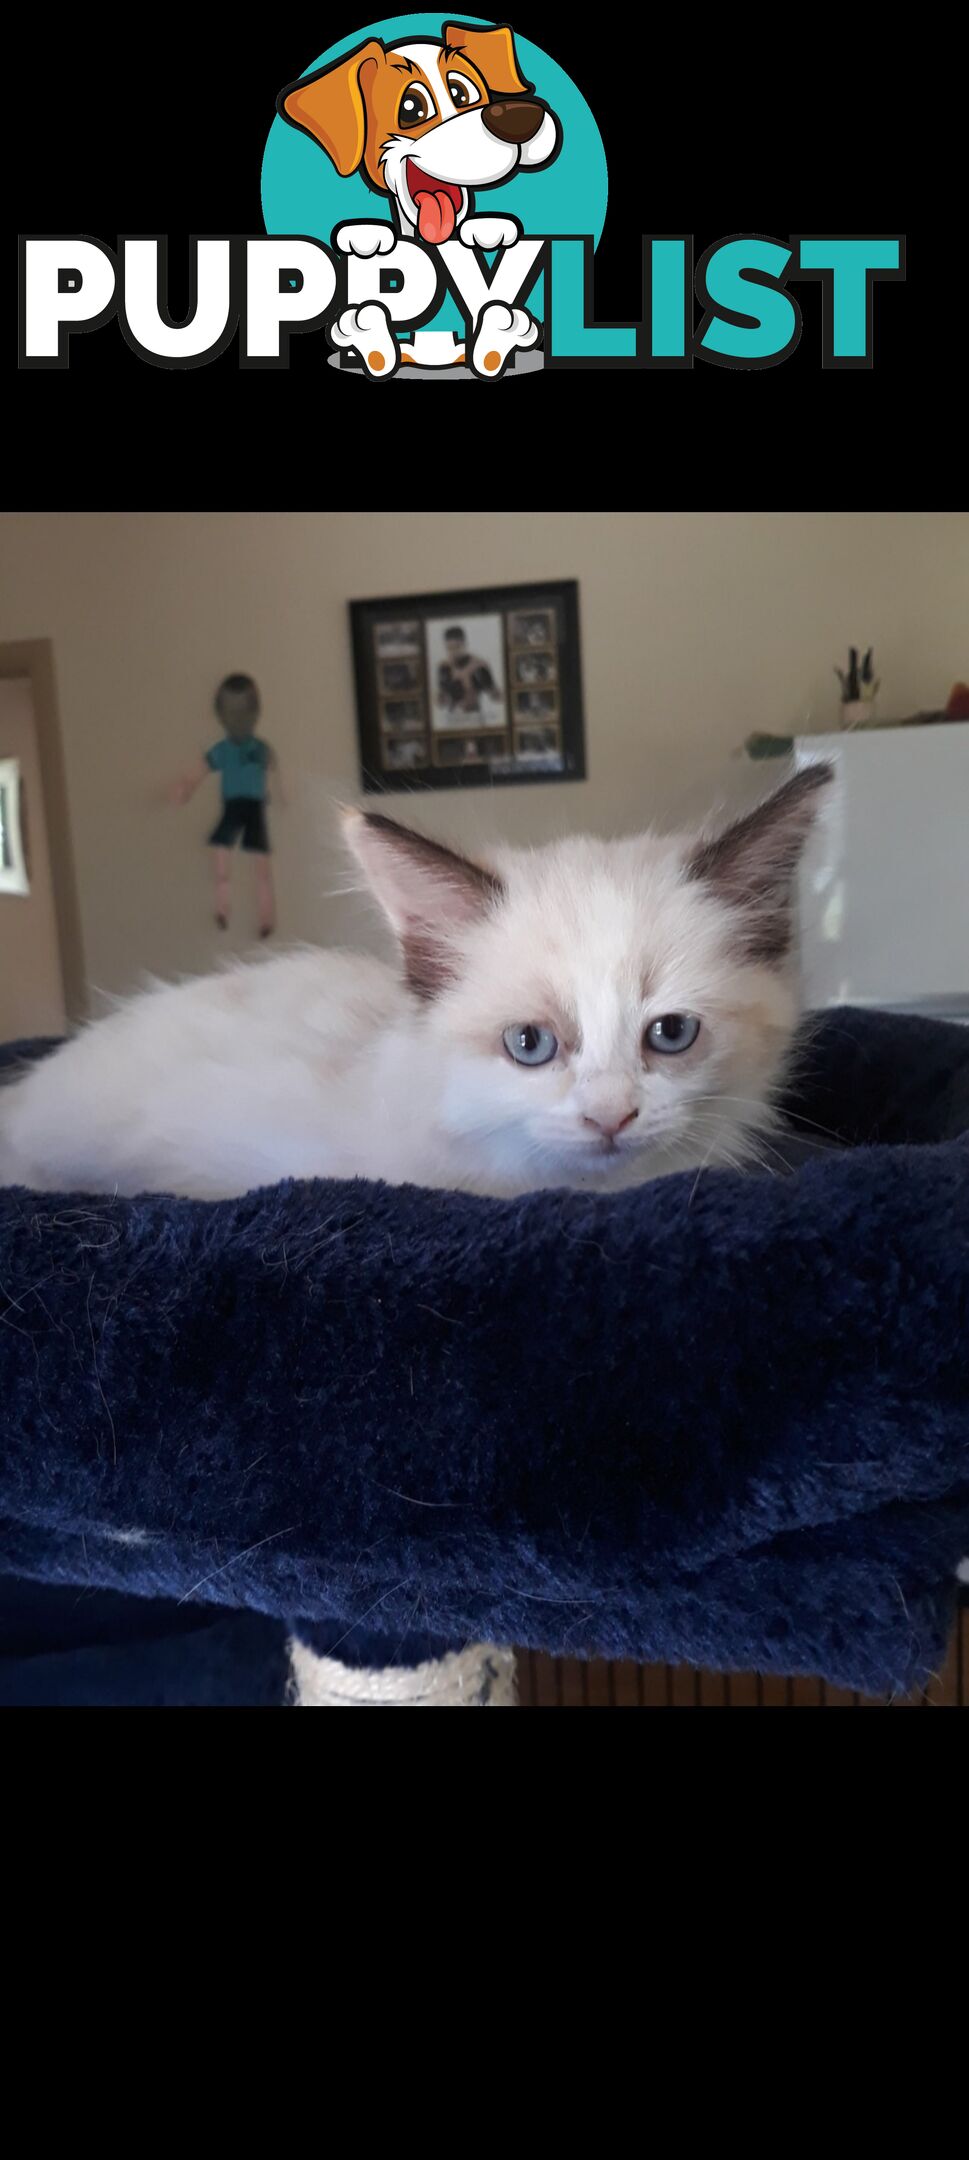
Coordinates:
x,y
700,1171
778,1119
795,1118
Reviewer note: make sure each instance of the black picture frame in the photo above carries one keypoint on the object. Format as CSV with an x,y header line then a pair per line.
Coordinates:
x,y
476,687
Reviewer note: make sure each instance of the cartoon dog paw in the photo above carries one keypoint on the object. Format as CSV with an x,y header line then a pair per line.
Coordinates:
x,y
501,331
366,240
489,232
367,330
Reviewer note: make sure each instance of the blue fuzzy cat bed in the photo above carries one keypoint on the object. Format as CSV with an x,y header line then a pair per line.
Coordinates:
x,y
721,1419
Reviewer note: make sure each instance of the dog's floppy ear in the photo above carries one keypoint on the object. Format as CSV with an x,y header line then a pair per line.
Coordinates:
x,y
492,52
330,105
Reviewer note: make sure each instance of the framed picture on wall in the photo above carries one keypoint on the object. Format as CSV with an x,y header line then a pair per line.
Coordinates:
x,y
469,688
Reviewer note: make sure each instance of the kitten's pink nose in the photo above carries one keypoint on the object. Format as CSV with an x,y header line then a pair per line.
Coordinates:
x,y
609,1123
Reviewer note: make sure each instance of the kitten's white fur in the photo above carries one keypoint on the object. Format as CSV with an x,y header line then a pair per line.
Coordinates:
x,y
325,1064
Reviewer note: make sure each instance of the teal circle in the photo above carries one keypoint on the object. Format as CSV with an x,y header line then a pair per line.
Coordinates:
x,y
302,192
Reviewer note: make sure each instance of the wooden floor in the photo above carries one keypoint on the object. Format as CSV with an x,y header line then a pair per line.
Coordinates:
x,y
575,1684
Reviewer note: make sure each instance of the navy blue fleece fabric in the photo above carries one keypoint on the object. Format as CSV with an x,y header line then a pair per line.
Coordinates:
x,y
721,1419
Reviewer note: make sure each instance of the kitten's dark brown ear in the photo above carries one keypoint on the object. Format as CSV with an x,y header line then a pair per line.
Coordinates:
x,y
427,892
751,865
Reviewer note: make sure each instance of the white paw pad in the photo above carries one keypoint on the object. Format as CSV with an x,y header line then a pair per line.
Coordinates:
x,y
366,240
367,330
501,331
489,232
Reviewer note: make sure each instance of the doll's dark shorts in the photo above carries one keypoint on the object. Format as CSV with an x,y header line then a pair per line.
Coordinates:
x,y
242,820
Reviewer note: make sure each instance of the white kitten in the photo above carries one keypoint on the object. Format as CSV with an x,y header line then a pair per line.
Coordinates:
x,y
591,1013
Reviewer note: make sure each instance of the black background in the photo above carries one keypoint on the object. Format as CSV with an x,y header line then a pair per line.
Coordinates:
x,y
787,127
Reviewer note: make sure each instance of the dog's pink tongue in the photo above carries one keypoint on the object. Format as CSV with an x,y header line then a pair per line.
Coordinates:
x,y
435,217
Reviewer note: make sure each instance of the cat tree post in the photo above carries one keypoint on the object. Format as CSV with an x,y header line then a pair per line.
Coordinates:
x,y
481,1677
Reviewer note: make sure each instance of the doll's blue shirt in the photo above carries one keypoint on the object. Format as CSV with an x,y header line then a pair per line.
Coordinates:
x,y
243,767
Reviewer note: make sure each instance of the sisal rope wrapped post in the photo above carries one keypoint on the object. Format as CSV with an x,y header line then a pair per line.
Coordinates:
x,y
480,1677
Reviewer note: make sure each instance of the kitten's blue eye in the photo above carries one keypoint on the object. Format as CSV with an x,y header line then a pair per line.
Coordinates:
x,y
530,1045
672,1033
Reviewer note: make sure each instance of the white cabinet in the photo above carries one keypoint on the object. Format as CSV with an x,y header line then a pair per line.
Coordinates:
x,y
884,882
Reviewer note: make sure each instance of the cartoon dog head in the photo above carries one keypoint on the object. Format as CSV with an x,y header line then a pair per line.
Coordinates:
x,y
427,120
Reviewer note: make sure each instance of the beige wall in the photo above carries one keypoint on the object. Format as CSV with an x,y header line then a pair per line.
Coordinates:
x,y
696,629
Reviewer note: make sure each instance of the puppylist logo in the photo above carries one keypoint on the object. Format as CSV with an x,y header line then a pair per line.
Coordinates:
x,y
433,195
